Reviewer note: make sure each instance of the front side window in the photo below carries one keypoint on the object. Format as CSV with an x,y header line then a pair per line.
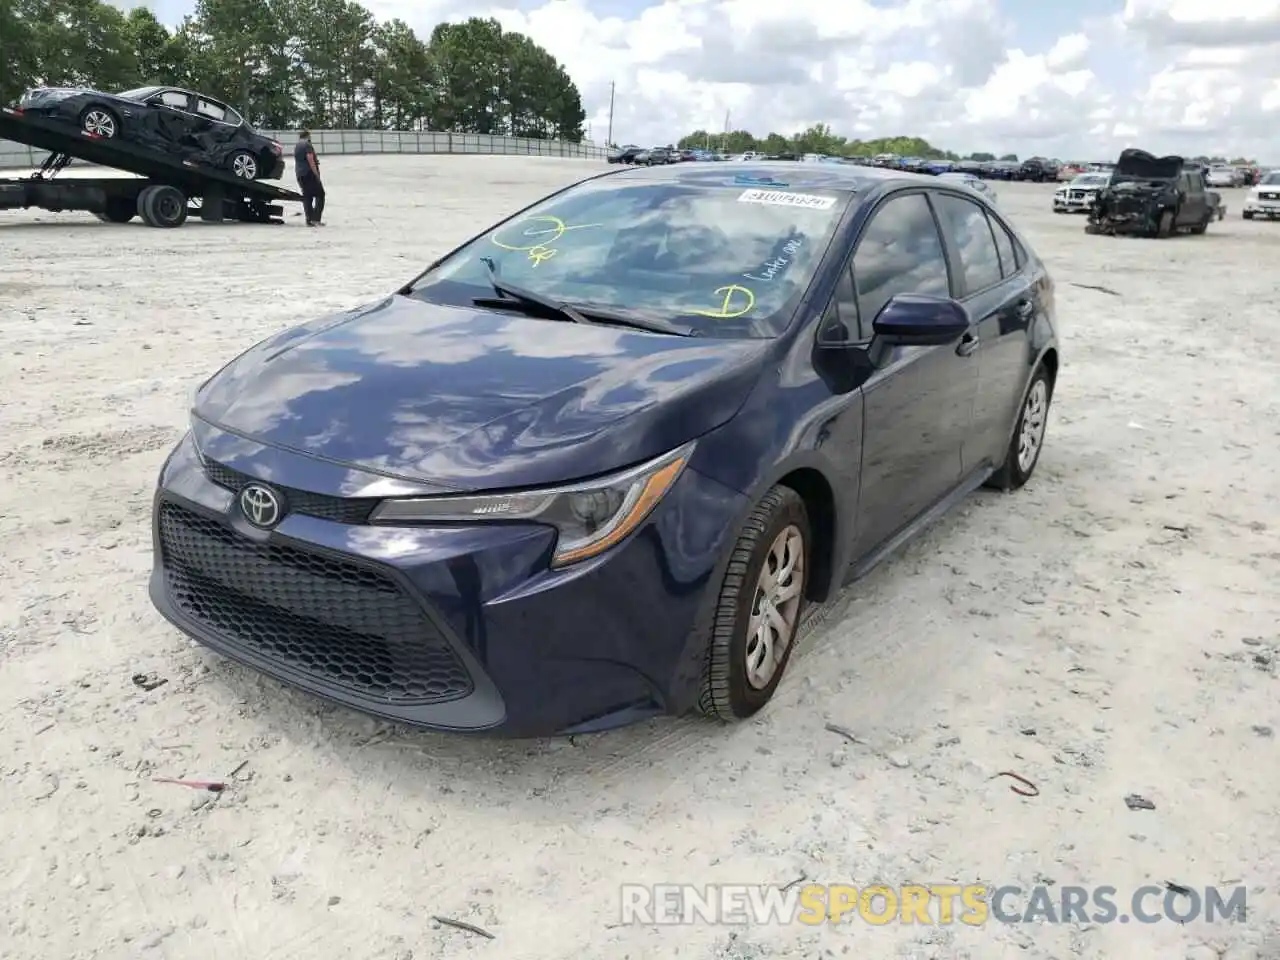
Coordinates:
x,y
968,232
900,252
720,256
173,98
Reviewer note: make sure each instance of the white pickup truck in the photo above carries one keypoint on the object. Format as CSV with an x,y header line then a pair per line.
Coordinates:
x,y
1264,199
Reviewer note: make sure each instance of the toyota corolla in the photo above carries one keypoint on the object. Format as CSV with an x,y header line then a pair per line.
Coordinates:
x,y
593,465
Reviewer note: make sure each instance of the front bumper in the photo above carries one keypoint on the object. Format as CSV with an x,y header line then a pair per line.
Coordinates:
x,y
462,629
1073,204
1263,208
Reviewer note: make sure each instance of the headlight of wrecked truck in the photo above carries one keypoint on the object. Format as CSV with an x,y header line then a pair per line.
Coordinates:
x,y
589,517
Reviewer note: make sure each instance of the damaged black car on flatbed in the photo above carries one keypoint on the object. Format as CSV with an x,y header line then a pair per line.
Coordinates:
x,y
1154,196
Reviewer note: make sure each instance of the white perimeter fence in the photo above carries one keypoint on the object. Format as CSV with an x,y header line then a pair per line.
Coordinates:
x,y
336,142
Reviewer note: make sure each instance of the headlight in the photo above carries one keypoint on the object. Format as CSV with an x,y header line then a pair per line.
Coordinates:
x,y
589,517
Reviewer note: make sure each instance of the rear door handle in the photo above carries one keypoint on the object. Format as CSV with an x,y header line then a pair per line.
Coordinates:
x,y
968,344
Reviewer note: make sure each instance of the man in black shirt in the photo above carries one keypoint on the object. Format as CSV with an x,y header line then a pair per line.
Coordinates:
x,y
307,169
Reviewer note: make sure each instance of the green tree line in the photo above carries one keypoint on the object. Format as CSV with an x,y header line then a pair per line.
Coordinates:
x,y
291,63
820,138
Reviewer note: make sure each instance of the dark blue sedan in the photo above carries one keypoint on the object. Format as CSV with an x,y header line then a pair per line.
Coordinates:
x,y
592,465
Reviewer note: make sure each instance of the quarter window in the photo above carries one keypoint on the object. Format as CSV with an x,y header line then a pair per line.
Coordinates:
x,y
900,252
1009,264
211,110
842,324
966,227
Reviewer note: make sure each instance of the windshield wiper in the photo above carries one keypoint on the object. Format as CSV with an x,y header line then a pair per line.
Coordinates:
x,y
626,318
577,312
508,295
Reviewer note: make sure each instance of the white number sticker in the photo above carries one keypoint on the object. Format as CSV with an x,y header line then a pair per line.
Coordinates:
x,y
783,198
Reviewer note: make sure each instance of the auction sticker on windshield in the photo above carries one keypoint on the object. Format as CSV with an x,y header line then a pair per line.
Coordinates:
x,y
783,198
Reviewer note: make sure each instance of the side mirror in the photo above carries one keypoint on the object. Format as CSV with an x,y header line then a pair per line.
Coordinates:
x,y
911,319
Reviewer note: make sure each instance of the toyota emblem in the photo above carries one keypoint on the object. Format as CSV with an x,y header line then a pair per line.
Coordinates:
x,y
261,506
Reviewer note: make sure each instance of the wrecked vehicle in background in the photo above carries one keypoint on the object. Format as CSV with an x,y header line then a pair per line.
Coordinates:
x,y
1154,197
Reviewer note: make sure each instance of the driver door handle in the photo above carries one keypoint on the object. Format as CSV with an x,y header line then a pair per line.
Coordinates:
x,y
968,344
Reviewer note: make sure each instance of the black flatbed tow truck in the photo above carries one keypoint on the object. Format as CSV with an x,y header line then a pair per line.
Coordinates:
x,y
163,190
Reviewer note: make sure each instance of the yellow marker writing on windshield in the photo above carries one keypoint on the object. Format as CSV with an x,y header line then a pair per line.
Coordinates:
x,y
737,301
542,231
541,252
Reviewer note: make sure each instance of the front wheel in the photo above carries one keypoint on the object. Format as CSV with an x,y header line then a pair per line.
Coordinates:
x,y
99,122
759,608
1028,435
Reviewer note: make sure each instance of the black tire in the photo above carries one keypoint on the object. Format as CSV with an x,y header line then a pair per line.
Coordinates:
x,y
99,121
1164,228
727,693
118,210
244,165
162,206
1013,473
1247,214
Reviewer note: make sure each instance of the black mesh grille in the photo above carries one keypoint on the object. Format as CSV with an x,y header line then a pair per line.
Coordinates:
x,y
338,509
342,623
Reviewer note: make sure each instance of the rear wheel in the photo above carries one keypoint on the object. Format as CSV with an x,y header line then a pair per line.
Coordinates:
x,y
99,122
164,206
759,608
1248,214
1028,435
244,165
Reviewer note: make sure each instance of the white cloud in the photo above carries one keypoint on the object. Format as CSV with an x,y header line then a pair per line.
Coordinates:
x,y
1168,75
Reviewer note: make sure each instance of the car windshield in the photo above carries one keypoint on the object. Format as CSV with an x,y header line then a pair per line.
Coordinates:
x,y
727,257
1089,180
140,94
1271,179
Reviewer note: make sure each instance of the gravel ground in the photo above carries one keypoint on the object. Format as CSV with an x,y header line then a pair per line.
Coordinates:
x,y
1112,629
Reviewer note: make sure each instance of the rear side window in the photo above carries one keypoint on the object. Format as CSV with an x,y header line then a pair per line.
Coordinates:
x,y
965,225
211,110
900,252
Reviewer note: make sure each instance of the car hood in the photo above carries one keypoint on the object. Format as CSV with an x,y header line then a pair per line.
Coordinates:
x,y
1140,165
472,399
40,95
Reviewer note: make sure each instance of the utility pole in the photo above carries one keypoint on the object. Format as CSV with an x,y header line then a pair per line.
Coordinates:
x,y
725,136
609,140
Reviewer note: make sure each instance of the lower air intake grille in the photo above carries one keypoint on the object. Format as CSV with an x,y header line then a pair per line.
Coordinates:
x,y
342,623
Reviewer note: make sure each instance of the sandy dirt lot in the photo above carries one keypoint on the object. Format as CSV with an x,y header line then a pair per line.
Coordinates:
x,y
1113,629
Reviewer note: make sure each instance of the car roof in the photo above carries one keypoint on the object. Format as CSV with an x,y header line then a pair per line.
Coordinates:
x,y
833,176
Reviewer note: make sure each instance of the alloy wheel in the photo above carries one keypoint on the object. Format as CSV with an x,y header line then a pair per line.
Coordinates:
x,y
775,607
245,167
1033,425
99,123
